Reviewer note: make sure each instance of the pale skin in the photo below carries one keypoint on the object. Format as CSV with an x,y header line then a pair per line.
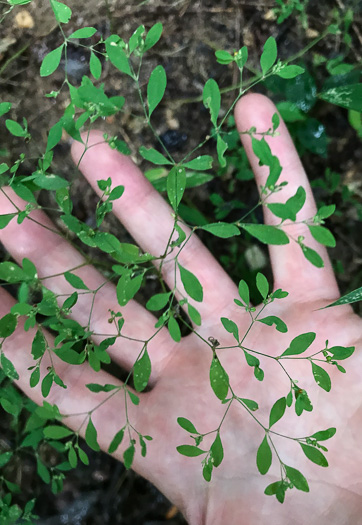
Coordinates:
x,y
180,371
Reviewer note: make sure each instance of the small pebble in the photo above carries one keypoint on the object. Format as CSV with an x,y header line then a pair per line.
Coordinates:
x,y
24,20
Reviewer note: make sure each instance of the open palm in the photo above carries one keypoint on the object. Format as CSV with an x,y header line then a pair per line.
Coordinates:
x,y
180,371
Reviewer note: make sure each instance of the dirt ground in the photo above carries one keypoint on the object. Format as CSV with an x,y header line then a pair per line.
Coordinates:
x,y
105,493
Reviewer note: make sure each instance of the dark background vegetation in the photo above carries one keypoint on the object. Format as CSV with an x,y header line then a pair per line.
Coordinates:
x,y
105,493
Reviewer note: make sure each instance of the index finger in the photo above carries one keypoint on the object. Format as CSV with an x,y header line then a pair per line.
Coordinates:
x,y
292,271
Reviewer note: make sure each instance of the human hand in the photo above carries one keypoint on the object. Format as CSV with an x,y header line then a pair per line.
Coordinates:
x,y
180,371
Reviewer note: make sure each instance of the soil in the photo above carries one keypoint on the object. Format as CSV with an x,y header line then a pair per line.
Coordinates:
x,y
105,493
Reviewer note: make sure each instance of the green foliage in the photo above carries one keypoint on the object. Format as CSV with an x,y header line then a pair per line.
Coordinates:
x,y
191,284
156,88
264,456
300,344
219,379
142,371
129,269
277,411
221,229
176,184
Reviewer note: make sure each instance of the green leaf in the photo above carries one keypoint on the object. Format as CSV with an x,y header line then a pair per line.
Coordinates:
x,y
51,61
142,371
116,193
290,209
290,112
219,380
83,456
241,57
8,325
191,284
326,211
156,88
50,181
300,344
341,352
5,458
201,163
312,134
3,169
351,297
252,405
136,39
128,456
116,441
251,359
321,377
153,156
262,150
4,108
15,128
302,403
190,451
212,99
46,384
9,407
244,293
277,411
176,184
276,489
266,234
72,457
221,147
262,285
217,451
322,235
186,425
84,32
34,377
174,329
223,57
194,315
91,436
207,471
230,327
57,432
315,455
275,121
297,478
75,281
29,268
62,12
264,456
95,387
312,256
291,71
223,230
62,197
135,399
95,66
349,97
42,471
127,288
39,345
66,354
272,319
269,55
153,36
158,301
116,54
323,435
